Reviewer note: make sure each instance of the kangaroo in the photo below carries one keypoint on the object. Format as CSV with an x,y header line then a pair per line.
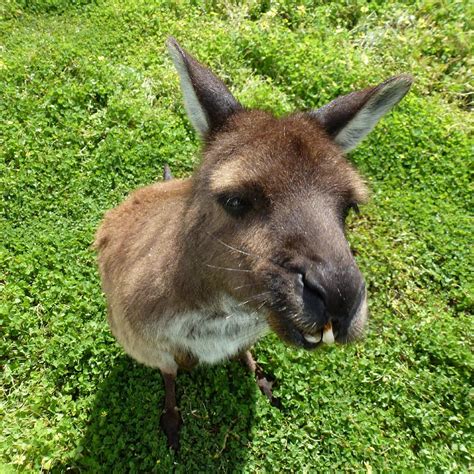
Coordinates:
x,y
196,270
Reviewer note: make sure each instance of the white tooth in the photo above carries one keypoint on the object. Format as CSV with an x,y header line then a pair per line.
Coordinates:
x,y
311,339
328,336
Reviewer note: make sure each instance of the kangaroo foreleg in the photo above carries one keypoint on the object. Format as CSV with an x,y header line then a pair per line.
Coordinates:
x,y
264,382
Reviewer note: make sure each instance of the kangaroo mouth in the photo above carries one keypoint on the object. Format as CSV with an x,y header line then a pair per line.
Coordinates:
x,y
305,339
324,336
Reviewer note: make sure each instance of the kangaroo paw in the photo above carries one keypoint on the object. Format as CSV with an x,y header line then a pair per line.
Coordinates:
x,y
170,423
265,384
264,381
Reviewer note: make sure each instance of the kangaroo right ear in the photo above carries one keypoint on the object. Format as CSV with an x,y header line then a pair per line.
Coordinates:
x,y
348,119
207,100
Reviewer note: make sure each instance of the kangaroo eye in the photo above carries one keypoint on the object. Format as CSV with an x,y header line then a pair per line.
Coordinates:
x,y
235,205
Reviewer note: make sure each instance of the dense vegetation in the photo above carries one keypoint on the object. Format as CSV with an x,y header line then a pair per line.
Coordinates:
x,y
90,108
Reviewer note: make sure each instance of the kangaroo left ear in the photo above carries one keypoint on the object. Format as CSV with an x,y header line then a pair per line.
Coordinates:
x,y
207,100
349,118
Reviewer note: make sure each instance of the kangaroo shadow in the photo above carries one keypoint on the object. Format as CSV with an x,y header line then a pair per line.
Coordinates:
x,y
217,406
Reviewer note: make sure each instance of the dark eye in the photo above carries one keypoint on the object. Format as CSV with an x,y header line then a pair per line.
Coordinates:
x,y
236,206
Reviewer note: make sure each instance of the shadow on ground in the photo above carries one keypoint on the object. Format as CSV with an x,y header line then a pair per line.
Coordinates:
x,y
123,435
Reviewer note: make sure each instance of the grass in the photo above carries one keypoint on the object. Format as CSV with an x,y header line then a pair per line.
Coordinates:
x,y
91,109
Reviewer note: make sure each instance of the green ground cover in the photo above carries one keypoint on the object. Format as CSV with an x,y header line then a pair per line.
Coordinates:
x,y
90,108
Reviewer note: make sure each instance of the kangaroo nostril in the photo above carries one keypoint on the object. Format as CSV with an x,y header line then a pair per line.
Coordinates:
x,y
312,294
311,284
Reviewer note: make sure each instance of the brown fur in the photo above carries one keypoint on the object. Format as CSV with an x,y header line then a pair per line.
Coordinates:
x,y
180,265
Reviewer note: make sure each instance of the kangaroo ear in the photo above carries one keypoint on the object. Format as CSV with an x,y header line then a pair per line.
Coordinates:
x,y
207,100
349,118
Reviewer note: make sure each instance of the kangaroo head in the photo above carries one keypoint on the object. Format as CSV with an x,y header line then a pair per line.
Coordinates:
x,y
269,200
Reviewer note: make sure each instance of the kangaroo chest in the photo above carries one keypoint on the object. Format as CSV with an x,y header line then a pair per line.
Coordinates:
x,y
215,334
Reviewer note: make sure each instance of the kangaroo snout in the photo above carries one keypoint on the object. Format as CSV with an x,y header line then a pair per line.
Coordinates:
x,y
318,297
333,298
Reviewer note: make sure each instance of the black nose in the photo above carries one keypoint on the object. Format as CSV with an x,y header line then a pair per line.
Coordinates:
x,y
328,292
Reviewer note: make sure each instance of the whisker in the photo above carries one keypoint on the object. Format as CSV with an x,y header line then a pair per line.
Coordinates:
x,y
254,298
229,269
243,286
231,247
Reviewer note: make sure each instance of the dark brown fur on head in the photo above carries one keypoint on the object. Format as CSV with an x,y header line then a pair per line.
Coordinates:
x,y
265,216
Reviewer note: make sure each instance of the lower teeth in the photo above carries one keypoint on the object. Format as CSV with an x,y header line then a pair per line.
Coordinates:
x,y
328,336
312,339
